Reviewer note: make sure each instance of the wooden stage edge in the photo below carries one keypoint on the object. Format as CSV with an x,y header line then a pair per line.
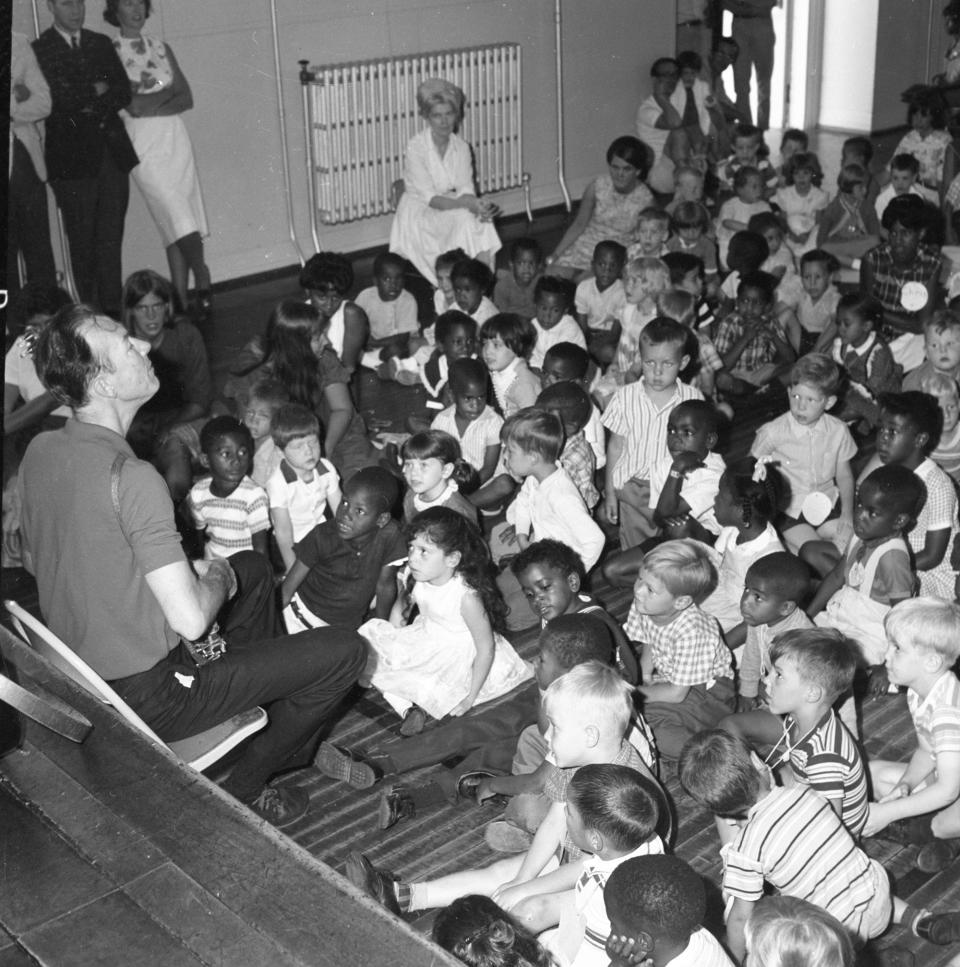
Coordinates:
x,y
115,851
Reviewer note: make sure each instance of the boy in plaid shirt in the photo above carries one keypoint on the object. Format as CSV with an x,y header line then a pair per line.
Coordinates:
x,y
686,666
572,405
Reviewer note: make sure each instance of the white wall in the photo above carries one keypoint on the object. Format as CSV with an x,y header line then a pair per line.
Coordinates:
x,y
225,50
849,61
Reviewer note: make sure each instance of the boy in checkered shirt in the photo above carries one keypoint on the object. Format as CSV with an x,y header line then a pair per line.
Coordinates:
x,y
687,668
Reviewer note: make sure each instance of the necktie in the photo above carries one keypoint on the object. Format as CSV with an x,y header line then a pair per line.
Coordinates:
x,y
691,118
74,42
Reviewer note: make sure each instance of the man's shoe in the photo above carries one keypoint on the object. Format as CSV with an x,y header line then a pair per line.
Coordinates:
x,y
913,831
939,928
395,805
280,807
378,884
505,837
336,764
938,855
413,722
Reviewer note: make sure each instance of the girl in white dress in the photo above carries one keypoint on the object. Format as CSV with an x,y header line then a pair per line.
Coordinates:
x,y
451,656
166,175
439,209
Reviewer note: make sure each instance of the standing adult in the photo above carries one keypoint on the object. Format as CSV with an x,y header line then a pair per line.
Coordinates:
x,y
753,31
660,125
694,26
131,614
88,153
439,209
724,55
167,174
28,220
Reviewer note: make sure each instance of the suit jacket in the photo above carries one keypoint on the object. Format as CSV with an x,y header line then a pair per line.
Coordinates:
x,y
81,125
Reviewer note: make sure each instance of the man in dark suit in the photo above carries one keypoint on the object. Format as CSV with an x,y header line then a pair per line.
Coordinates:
x,y
88,153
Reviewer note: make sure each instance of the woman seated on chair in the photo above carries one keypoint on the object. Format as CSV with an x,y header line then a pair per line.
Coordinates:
x,y
439,209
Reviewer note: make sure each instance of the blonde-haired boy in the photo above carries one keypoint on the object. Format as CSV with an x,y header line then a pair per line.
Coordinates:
x,y
588,710
686,665
917,801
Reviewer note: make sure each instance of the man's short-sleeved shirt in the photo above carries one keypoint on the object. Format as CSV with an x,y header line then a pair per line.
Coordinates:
x,y
91,568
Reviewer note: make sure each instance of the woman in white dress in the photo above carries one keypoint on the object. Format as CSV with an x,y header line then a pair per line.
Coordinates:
x,y
439,209
166,175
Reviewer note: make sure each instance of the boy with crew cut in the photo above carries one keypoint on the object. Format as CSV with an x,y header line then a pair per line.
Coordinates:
x,y
515,285
573,406
809,670
774,590
552,322
656,905
917,801
228,507
637,420
686,666
345,562
305,485
600,300
588,710
941,343
774,843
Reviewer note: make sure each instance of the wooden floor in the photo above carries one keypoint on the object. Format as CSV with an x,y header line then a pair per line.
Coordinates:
x,y
446,839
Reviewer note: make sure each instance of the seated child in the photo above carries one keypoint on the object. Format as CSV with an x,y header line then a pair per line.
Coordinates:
x,y
547,505
746,502
849,226
917,801
470,421
904,180
228,507
812,450
809,670
452,656
875,572
865,357
771,845
327,278
687,671
600,301
784,930
792,141
572,405
681,306
929,142
588,710
736,212
748,150
802,200
471,280
444,298
816,307
751,343
656,905
946,391
505,343
346,562
653,230
683,488
941,344
637,420
612,815
305,485
514,289
391,312
774,591
265,398
568,363
690,224
687,187
780,262
644,280
455,337
748,253
687,275
481,934
435,472
552,322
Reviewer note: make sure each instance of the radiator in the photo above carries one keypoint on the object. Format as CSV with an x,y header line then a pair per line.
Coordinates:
x,y
360,116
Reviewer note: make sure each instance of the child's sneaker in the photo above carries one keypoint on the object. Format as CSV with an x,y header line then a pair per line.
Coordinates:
x,y
506,837
939,928
938,855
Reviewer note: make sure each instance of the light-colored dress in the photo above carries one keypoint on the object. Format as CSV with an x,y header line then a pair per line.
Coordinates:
x,y
614,218
429,662
421,233
166,175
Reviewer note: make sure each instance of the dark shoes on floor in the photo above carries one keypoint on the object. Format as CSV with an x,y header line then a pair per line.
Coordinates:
x,y
280,807
914,831
938,855
378,884
337,764
939,928
395,804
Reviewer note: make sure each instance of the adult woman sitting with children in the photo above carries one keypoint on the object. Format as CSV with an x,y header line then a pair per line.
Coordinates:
x,y
439,209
